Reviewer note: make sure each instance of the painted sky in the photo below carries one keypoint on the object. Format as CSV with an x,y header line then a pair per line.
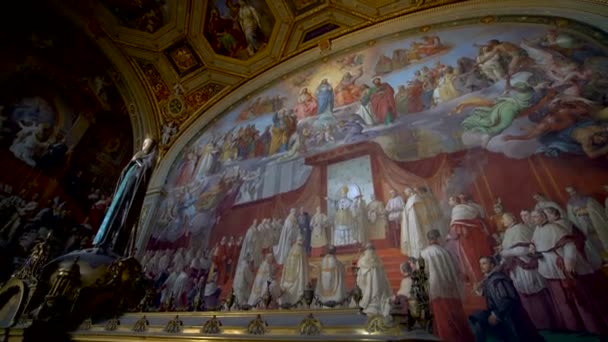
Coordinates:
x,y
461,39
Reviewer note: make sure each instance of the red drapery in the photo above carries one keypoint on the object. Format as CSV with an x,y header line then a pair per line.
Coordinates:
x,y
513,180
432,173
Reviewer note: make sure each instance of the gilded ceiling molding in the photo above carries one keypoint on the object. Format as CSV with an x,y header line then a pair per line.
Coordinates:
x,y
586,11
173,28
142,110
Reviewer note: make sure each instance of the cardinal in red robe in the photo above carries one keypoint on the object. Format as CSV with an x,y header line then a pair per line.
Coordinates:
x,y
220,256
445,292
468,239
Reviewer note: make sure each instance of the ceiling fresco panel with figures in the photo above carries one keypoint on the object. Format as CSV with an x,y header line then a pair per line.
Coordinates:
x,y
238,28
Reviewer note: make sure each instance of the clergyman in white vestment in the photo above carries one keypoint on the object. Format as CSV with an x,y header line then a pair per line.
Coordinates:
x,y
289,234
262,278
295,273
330,285
373,282
413,222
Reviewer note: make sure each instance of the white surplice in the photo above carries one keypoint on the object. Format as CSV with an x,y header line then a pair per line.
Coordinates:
x,y
295,274
260,283
289,234
330,285
444,280
374,284
413,232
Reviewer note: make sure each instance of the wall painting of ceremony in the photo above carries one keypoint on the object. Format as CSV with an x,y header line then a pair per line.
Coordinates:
x,y
442,131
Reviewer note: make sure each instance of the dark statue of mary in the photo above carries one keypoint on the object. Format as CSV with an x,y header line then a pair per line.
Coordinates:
x,y
115,231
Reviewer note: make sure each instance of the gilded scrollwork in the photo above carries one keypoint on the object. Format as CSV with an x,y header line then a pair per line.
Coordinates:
x,y
379,324
310,326
141,324
212,326
112,324
86,324
174,325
257,326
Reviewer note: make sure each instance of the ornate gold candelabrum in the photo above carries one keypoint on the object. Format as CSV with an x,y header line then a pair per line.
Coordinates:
x,y
419,310
355,294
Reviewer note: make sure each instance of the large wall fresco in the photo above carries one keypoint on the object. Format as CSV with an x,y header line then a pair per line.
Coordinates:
x,y
467,114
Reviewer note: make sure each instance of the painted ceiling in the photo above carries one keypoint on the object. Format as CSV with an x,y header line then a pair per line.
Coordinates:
x,y
189,54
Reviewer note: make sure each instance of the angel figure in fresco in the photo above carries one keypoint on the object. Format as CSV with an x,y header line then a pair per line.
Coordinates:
x,y
26,142
429,46
558,68
350,61
491,117
561,115
515,55
584,138
489,65
445,89
178,89
168,131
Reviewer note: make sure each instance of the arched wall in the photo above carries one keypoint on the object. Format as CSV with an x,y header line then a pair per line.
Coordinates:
x,y
589,12
464,112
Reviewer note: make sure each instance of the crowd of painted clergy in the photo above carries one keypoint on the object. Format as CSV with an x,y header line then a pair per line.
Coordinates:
x,y
542,271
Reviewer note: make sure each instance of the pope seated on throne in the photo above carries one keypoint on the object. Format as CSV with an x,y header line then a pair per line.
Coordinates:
x,y
344,223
